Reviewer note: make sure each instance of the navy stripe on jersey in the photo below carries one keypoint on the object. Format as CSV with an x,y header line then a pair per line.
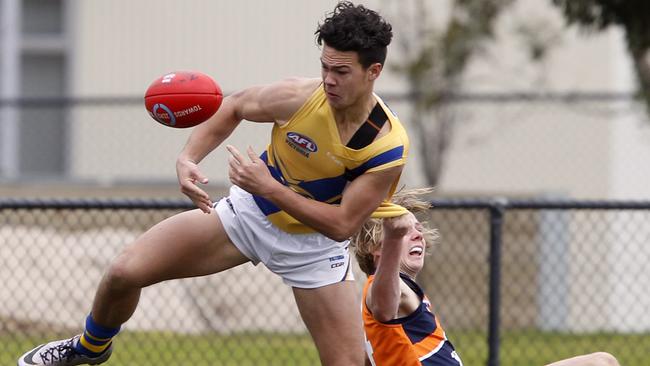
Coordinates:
x,y
327,188
267,207
383,158
420,325
417,325
324,189
443,357
275,172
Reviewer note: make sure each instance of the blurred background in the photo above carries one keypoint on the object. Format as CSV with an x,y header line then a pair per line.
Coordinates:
x,y
531,100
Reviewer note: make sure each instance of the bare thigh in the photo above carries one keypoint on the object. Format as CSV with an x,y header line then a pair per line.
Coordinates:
x,y
188,244
333,316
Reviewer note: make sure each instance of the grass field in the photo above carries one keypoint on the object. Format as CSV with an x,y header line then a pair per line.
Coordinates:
x,y
529,348
162,349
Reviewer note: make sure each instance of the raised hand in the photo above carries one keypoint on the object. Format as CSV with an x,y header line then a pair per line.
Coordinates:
x,y
251,174
398,227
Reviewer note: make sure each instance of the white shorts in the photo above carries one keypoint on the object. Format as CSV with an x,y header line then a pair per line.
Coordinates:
x,y
302,260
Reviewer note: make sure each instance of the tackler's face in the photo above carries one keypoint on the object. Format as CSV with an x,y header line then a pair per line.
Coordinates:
x,y
412,260
345,80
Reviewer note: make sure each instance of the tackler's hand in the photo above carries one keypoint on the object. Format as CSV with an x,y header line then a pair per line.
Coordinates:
x,y
250,174
398,227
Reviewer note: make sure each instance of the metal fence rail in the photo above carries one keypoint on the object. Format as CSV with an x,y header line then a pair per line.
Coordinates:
x,y
515,282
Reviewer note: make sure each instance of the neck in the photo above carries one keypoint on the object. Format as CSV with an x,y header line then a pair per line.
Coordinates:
x,y
410,273
357,113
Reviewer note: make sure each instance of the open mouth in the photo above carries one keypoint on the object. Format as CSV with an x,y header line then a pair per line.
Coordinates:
x,y
416,250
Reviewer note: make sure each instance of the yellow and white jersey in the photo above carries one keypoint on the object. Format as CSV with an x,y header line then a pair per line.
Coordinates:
x,y
307,155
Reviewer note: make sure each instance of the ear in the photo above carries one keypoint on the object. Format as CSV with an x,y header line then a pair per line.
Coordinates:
x,y
374,71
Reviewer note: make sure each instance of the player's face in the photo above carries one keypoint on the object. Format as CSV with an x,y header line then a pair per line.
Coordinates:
x,y
413,253
346,81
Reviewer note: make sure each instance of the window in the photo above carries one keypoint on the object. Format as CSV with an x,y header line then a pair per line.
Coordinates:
x,y
34,49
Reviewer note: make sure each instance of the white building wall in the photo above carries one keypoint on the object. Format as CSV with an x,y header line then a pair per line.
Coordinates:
x,y
119,47
631,137
539,148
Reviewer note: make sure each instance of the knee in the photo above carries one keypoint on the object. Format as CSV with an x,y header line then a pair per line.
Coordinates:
x,y
120,276
604,359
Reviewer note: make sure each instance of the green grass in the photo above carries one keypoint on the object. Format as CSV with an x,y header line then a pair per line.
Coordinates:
x,y
141,349
521,348
528,348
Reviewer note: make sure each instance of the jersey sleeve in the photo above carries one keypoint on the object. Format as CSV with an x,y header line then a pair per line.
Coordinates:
x,y
388,159
392,157
388,209
396,156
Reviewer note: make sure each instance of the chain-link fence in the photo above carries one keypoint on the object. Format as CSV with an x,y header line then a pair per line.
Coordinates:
x,y
513,282
584,145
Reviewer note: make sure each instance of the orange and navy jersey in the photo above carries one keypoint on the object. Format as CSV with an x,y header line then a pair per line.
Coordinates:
x,y
414,340
307,155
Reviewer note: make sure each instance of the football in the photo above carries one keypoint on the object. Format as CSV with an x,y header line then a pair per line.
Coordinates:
x,y
182,99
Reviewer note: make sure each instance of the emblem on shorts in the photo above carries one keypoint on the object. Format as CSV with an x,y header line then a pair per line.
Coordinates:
x,y
301,143
339,261
232,208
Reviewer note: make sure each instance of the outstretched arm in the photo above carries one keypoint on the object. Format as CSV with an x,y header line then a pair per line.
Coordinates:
x,y
385,293
265,103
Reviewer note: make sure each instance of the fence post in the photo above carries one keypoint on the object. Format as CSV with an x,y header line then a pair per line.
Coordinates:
x,y
497,209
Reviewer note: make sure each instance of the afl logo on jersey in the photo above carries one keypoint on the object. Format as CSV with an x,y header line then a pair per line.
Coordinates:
x,y
302,144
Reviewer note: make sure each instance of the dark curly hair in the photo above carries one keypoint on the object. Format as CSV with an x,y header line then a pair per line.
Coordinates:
x,y
356,28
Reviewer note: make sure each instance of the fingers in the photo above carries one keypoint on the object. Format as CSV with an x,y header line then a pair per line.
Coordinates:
x,y
402,222
206,208
235,155
188,176
237,161
201,178
204,204
195,175
233,171
190,169
238,158
251,154
200,198
233,164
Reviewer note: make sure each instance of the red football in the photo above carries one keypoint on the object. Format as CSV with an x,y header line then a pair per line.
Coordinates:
x,y
183,99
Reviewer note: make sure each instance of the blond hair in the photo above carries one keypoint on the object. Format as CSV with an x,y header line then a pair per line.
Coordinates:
x,y
369,239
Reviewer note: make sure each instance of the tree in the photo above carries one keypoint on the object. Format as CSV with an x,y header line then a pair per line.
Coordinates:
x,y
632,15
434,57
